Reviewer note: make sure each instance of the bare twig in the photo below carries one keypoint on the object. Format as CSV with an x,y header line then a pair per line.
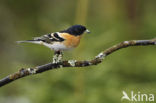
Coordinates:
x,y
74,63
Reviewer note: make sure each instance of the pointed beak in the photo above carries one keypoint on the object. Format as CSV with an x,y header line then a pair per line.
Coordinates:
x,y
87,31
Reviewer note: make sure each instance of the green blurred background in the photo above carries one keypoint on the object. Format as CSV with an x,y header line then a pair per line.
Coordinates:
x,y
110,22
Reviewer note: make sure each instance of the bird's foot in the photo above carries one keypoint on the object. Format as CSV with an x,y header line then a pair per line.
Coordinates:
x,y
57,57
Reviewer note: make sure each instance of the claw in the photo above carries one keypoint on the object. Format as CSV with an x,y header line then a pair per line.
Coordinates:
x,y
57,57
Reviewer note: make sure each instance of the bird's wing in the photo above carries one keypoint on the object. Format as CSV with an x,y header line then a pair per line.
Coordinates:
x,y
51,37
47,38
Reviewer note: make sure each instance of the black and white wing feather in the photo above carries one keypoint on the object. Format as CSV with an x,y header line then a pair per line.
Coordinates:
x,y
48,38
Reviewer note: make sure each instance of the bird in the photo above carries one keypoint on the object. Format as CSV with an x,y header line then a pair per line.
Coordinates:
x,y
60,41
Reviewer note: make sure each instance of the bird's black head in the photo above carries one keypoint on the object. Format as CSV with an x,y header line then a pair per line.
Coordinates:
x,y
76,30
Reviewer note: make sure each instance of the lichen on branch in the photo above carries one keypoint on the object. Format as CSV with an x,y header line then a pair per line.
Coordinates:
x,y
74,63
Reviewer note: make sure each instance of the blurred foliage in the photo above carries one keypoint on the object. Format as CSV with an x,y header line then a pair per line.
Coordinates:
x,y
110,22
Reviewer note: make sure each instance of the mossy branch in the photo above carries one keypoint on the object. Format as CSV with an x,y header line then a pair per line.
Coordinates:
x,y
74,63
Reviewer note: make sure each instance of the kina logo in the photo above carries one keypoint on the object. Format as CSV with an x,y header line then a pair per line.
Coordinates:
x,y
137,96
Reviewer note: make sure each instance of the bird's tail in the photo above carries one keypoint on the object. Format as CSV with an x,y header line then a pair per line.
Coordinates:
x,y
29,41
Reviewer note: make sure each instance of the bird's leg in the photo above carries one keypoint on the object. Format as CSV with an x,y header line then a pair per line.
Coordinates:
x,y
57,56
60,56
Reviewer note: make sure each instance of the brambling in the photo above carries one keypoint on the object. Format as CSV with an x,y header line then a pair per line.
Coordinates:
x,y
60,41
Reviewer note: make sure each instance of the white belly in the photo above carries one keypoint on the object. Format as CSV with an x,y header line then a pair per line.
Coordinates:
x,y
56,46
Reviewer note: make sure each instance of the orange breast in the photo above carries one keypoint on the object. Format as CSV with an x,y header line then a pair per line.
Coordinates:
x,y
71,41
